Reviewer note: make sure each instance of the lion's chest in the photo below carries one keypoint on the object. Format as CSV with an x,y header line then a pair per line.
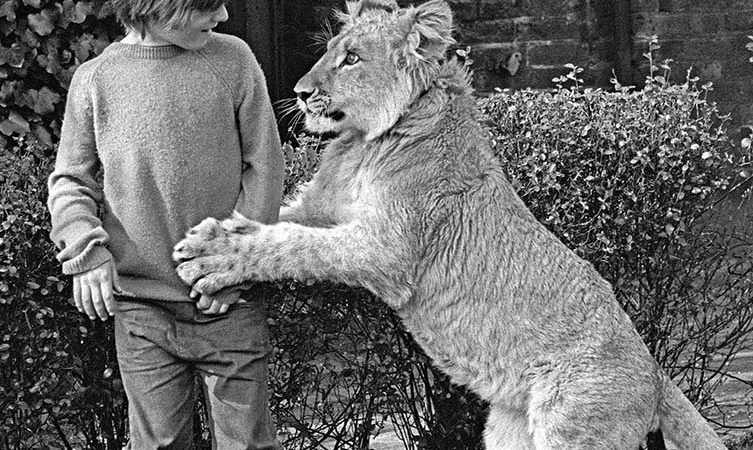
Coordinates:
x,y
344,192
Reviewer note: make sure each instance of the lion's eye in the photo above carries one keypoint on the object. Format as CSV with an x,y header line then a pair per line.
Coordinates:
x,y
351,58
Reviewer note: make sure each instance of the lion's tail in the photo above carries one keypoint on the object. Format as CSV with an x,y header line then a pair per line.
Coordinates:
x,y
682,424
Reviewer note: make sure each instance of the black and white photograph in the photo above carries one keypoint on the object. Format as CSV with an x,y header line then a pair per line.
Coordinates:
x,y
376,224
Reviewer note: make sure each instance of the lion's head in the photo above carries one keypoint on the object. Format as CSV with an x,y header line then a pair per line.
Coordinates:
x,y
382,59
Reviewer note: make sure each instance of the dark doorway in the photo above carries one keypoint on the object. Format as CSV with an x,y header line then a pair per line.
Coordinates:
x,y
283,35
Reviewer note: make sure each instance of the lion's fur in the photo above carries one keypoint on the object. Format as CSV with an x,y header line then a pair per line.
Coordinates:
x,y
410,202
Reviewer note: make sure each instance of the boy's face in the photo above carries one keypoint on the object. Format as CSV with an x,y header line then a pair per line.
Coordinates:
x,y
195,33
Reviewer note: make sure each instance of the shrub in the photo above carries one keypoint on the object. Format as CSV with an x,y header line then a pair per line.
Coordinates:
x,y
58,382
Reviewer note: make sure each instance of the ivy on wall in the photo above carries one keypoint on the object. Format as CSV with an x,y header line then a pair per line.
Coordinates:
x,y
42,44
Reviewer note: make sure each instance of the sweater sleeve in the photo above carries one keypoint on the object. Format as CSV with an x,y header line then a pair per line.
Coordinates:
x,y
263,165
74,193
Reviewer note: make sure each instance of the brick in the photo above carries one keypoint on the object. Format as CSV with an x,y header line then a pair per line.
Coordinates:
x,y
719,47
522,29
505,9
552,28
487,31
741,21
699,24
716,5
669,26
644,5
556,52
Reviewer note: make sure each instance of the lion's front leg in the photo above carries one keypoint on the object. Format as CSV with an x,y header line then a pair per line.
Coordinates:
x,y
215,255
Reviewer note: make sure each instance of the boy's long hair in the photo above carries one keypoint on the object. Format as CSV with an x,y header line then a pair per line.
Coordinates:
x,y
137,14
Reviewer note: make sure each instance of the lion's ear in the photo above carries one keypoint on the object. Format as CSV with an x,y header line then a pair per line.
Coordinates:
x,y
431,29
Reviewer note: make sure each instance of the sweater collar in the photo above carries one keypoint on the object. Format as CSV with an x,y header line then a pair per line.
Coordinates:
x,y
147,52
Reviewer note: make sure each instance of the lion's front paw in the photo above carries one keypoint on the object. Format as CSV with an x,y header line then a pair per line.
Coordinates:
x,y
209,274
199,240
215,254
212,237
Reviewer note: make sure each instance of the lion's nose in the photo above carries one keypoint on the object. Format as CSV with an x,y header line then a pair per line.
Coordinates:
x,y
304,94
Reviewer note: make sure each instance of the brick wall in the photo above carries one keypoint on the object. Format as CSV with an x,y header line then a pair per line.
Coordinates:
x,y
710,37
541,35
607,35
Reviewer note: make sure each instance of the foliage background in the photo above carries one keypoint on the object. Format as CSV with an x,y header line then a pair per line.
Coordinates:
x,y
625,178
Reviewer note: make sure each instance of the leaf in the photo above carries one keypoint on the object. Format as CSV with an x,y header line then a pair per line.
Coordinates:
x,y
13,56
83,9
43,135
45,101
75,12
8,10
82,47
41,24
15,123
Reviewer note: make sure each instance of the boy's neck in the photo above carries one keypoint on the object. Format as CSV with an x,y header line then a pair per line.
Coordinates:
x,y
148,40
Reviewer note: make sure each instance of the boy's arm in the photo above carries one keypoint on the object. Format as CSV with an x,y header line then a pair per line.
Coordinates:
x,y
264,168
74,193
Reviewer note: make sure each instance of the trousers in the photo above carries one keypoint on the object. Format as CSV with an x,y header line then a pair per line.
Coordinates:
x,y
162,346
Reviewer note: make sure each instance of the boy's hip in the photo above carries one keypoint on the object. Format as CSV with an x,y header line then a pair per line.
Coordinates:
x,y
179,331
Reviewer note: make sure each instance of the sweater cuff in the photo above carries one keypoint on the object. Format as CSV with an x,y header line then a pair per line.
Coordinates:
x,y
91,258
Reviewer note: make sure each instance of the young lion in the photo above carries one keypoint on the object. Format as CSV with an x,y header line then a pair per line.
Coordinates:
x,y
410,202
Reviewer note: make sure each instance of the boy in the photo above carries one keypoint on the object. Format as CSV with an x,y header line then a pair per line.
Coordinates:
x,y
179,120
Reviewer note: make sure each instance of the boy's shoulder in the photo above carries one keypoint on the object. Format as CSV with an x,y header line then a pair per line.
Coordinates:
x,y
88,68
231,56
227,46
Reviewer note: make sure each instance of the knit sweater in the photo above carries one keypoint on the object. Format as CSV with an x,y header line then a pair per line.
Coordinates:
x,y
179,135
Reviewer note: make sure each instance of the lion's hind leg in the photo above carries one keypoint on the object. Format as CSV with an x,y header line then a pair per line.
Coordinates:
x,y
507,429
592,409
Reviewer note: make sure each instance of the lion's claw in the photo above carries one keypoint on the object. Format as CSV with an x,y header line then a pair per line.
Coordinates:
x,y
210,254
240,225
209,274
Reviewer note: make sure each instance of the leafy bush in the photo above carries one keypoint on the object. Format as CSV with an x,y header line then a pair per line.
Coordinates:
x,y
58,383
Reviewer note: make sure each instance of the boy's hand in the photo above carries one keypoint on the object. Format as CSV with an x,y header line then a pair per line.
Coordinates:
x,y
93,291
219,302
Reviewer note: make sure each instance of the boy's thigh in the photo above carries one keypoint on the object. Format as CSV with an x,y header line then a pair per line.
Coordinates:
x,y
234,368
158,384
239,416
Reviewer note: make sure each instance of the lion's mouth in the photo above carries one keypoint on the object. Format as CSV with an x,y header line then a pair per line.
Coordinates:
x,y
336,115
